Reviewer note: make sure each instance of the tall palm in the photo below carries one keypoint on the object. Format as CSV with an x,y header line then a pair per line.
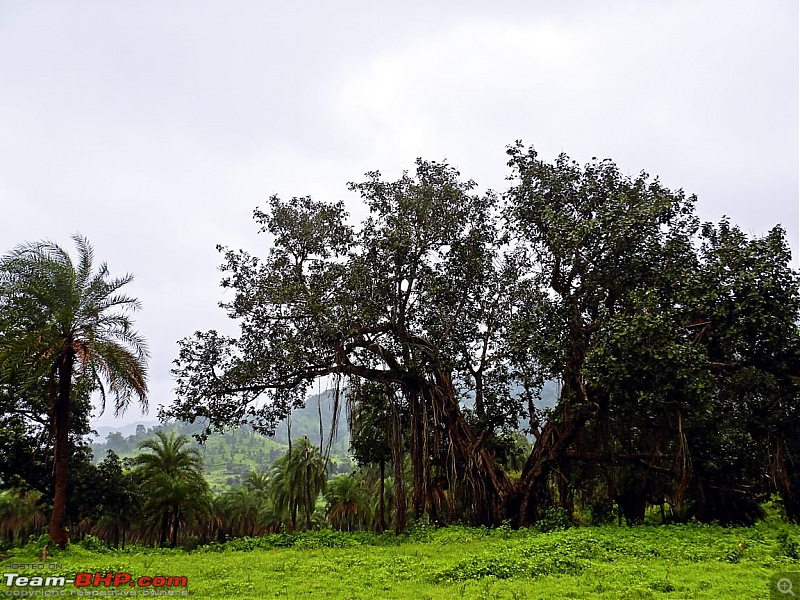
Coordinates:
x,y
67,327
176,490
348,506
298,478
18,513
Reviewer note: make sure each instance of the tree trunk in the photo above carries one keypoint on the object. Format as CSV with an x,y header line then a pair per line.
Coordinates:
x,y
175,525
58,532
783,475
164,529
397,463
421,474
381,515
307,495
480,484
565,496
573,412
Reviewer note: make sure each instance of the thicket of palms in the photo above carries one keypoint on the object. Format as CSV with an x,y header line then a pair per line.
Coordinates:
x,y
348,501
64,328
161,497
19,513
177,494
238,513
297,479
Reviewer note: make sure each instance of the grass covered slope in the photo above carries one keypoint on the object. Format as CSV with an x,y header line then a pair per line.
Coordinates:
x,y
677,561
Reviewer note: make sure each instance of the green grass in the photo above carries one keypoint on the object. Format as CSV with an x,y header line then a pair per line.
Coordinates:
x,y
678,561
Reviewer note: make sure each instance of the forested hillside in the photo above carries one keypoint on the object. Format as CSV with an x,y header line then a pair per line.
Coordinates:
x,y
228,457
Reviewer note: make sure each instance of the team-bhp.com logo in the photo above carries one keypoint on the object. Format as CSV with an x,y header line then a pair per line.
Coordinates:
x,y
89,584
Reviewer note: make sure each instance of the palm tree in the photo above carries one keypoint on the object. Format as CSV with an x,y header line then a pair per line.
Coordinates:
x,y
348,503
257,481
68,328
176,490
243,509
298,478
19,514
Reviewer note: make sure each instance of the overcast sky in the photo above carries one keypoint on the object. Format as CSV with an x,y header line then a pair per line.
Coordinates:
x,y
155,128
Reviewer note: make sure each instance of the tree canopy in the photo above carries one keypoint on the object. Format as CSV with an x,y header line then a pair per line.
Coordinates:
x,y
673,342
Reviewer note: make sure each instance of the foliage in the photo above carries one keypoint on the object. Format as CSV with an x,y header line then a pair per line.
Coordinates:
x,y
176,493
404,302
19,513
64,331
788,546
347,500
297,479
460,562
675,345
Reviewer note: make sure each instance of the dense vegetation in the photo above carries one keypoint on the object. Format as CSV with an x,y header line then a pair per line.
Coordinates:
x,y
675,343
670,351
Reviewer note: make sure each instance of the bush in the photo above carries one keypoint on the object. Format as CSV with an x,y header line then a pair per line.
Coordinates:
x,y
554,518
787,546
94,544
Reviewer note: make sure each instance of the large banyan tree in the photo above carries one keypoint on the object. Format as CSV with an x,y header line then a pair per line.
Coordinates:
x,y
603,282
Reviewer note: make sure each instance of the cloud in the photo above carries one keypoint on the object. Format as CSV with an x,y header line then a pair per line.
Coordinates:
x,y
156,128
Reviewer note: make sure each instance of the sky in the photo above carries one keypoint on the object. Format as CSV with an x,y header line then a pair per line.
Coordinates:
x,y
155,128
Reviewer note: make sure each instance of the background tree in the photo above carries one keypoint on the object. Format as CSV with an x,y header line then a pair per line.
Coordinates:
x,y
120,500
176,492
20,515
370,421
347,500
672,342
612,289
746,321
67,327
298,478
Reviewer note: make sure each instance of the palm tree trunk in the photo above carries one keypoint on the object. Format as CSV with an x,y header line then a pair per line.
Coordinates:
x,y
307,495
164,529
381,515
58,518
175,525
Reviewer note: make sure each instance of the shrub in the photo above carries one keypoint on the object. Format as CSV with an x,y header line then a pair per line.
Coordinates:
x,y
554,518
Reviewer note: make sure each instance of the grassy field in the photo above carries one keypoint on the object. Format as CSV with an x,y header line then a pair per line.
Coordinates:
x,y
678,561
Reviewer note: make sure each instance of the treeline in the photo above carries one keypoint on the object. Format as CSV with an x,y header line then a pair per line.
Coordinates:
x,y
160,497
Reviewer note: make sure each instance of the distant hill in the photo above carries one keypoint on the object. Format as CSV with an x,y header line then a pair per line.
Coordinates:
x,y
125,429
231,455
